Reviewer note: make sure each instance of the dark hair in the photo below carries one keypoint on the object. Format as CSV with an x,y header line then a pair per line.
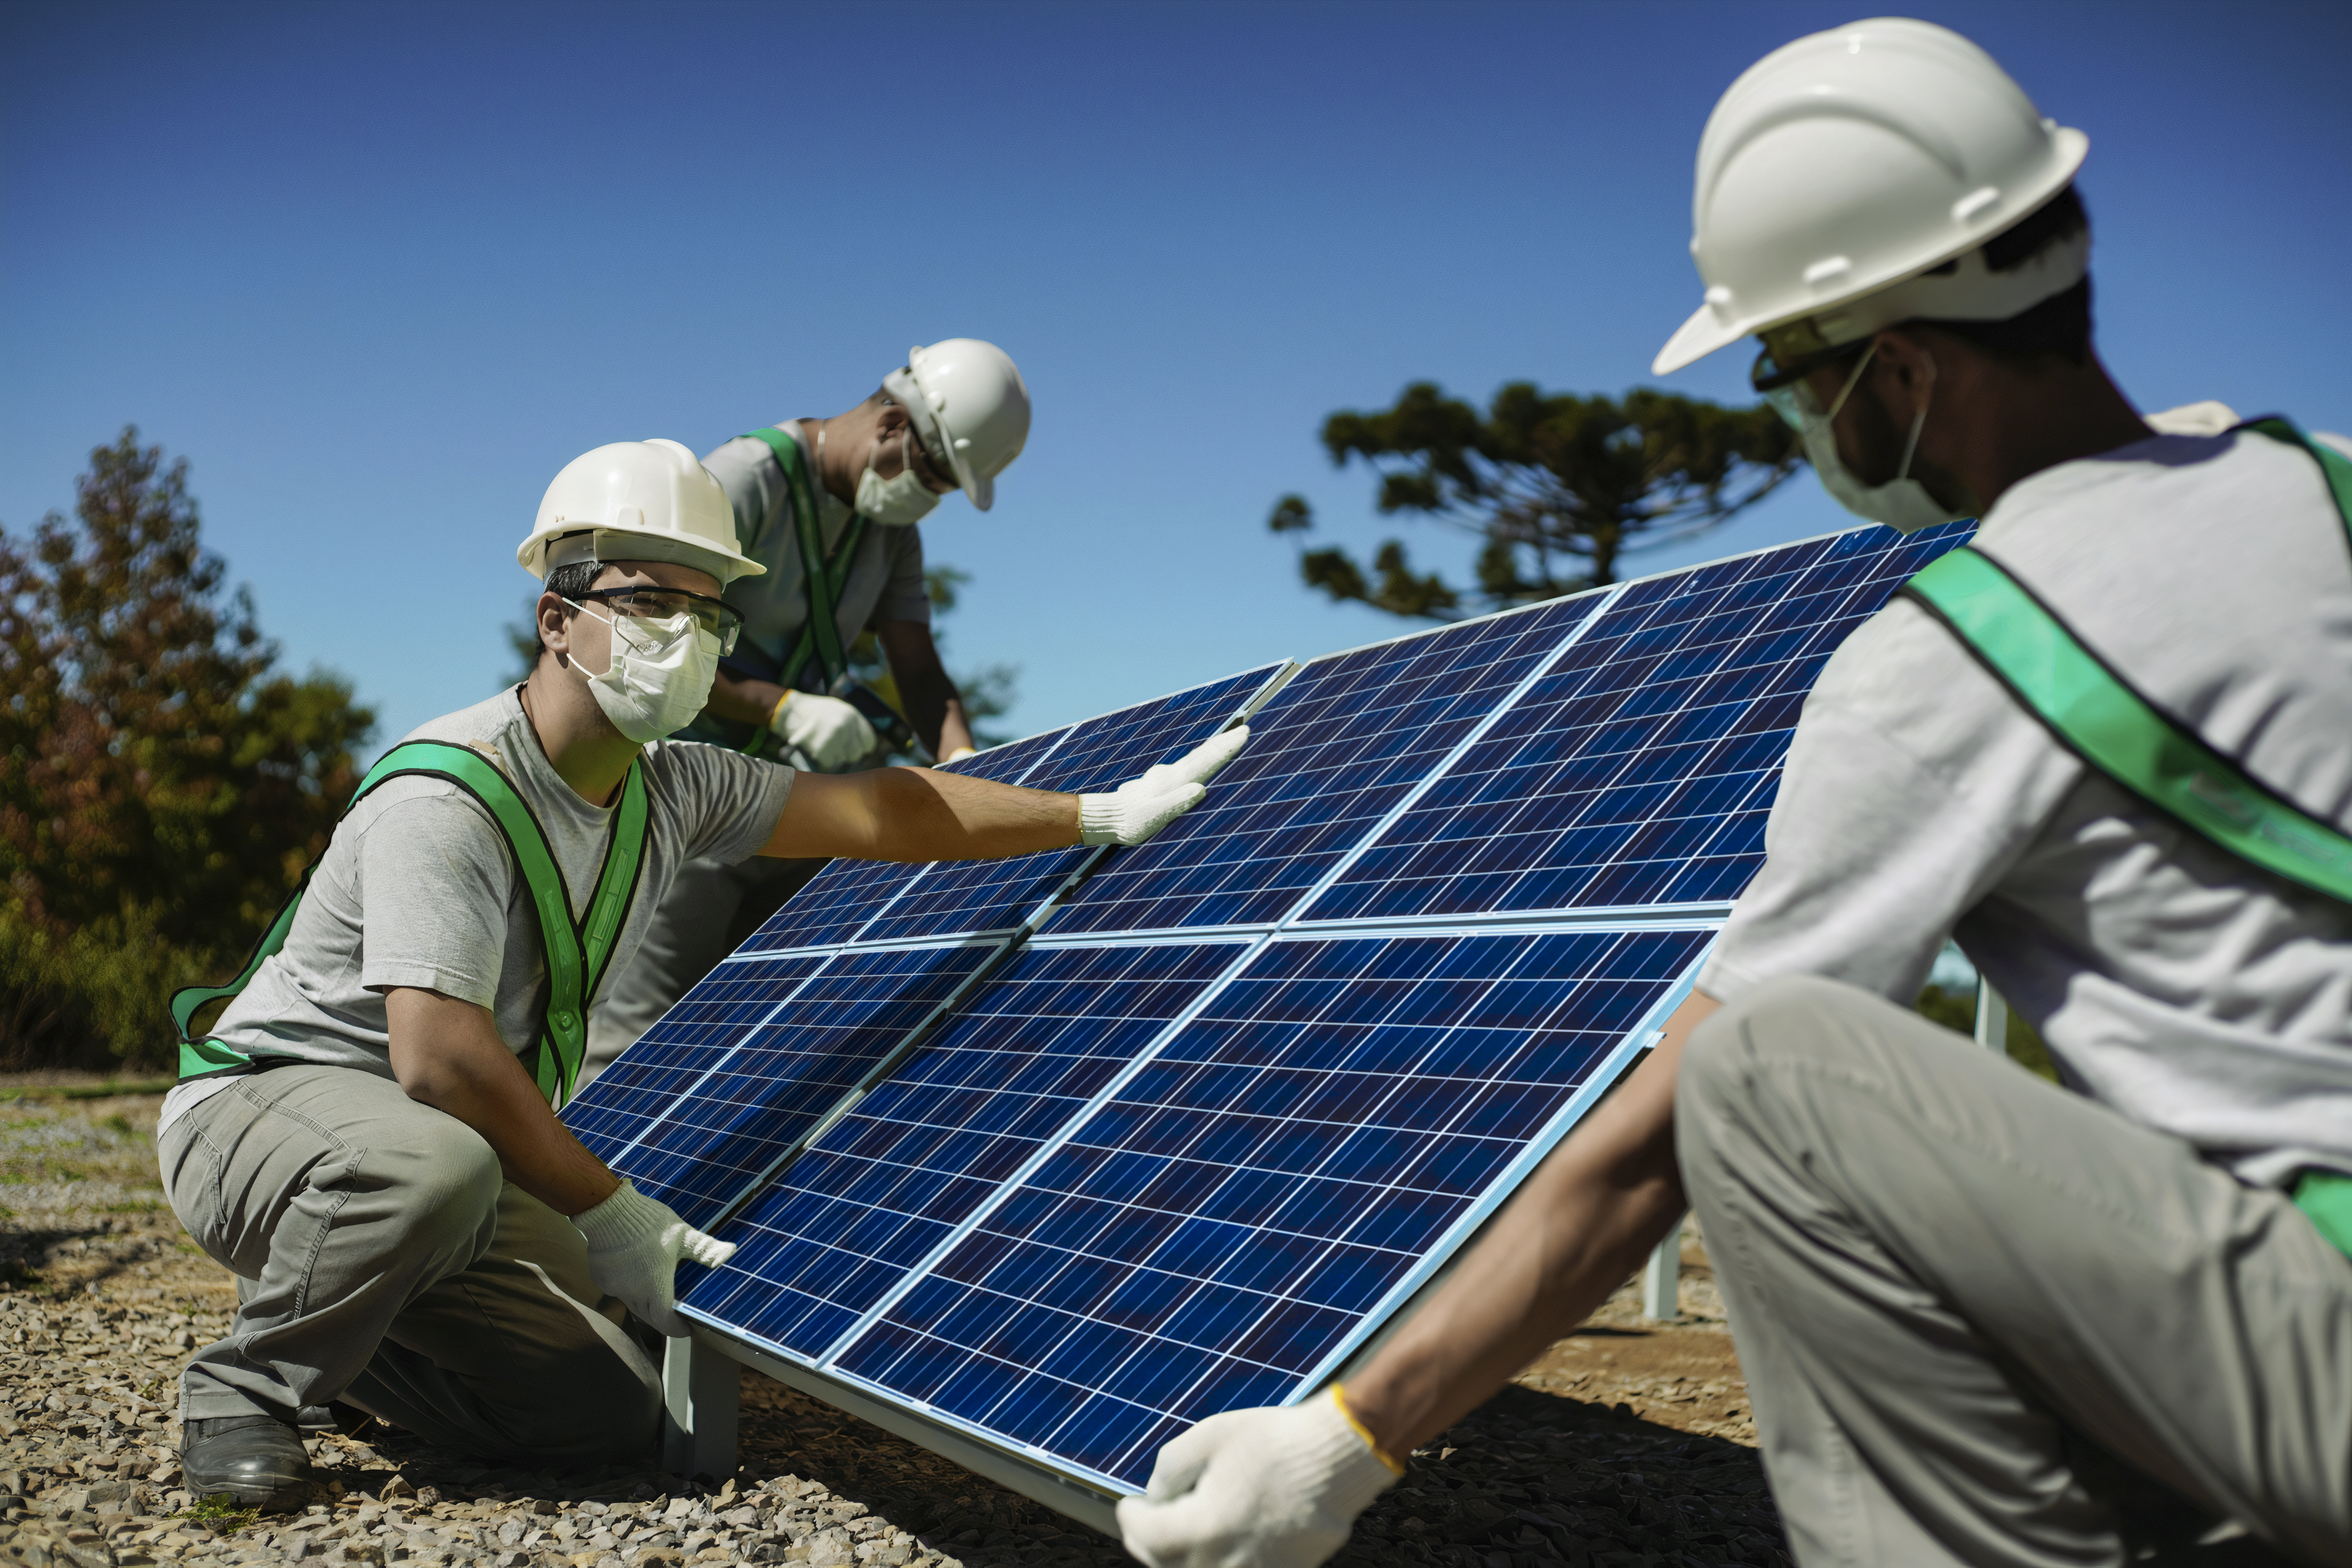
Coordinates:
x,y
568,582
2059,325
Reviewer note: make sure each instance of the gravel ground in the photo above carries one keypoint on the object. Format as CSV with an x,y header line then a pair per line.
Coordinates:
x,y
1626,1444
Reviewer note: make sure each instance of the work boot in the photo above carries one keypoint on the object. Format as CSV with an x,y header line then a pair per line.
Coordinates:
x,y
257,1461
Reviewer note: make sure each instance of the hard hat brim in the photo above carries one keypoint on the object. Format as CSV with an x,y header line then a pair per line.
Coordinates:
x,y
614,544
1705,332
978,488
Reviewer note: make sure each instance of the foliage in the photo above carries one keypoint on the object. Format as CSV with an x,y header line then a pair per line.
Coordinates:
x,y
161,789
1557,487
1957,1011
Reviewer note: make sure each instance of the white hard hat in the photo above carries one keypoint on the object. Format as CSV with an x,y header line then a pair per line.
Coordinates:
x,y
637,500
969,402
1854,160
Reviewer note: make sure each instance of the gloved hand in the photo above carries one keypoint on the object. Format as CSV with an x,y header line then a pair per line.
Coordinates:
x,y
1256,1489
1143,805
634,1246
825,730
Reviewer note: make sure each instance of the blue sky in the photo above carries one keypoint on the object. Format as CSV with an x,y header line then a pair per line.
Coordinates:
x,y
380,270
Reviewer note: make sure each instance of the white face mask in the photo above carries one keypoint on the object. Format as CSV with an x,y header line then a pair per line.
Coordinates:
x,y
900,499
1902,503
660,676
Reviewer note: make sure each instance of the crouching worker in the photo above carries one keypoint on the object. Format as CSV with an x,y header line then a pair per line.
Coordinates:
x,y
367,1138
2108,746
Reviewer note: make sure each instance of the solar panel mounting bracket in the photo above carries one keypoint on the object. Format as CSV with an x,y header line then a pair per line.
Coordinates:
x,y
1062,1494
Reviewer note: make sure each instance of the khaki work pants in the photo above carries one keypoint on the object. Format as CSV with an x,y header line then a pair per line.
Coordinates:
x,y
382,1260
1986,1321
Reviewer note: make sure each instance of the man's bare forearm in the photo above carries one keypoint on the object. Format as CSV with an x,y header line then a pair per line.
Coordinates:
x,y
1579,1226
917,814
447,1054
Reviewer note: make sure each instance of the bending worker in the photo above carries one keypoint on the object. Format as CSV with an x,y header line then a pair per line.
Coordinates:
x,y
367,1138
830,507
2109,749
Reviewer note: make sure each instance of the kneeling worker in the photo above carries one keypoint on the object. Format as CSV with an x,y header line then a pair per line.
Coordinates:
x,y
367,1138
2108,747
830,508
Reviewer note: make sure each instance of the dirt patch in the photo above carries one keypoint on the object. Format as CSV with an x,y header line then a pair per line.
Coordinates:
x,y
1627,1442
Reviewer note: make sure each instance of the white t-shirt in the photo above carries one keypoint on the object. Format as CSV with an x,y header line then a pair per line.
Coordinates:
x,y
2189,990
417,887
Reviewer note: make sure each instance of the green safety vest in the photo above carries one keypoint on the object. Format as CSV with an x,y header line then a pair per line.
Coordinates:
x,y
2097,715
577,950
826,579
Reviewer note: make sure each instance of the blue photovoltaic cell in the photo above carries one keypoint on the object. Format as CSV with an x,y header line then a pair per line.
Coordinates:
x,y
846,894
1100,754
1329,756
774,1075
1213,1234
702,1025
884,1186
1640,768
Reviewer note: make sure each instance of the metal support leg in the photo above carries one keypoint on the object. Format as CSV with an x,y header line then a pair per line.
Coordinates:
x,y
1662,1277
1992,1017
698,1387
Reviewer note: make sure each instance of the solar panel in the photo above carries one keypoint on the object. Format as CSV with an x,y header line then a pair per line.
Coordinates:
x,y
1639,770
892,1180
847,894
981,895
1217,1233
1198,1118
732,1080
789,1048
1327,758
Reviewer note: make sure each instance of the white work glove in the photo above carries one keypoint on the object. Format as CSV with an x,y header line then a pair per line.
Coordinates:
x,y
1256,1489
634,1243
1143,805
825,730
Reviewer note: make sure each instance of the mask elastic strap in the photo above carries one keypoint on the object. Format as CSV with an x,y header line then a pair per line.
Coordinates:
x,y
1853,381
1918,422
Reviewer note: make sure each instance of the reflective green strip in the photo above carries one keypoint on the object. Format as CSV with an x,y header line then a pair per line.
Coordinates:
x,y
577,953
824,579
2327,1197
2119,732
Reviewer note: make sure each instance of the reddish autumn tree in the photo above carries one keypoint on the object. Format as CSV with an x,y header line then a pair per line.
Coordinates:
x,y
161,788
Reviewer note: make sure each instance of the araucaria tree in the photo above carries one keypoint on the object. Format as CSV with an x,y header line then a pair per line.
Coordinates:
x,y
161,788
1555,486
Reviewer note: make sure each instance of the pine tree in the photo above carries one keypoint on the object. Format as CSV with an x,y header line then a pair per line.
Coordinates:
x,y
1557,487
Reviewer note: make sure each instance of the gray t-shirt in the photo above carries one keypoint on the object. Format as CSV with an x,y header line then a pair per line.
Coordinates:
x,y
2188,989
886,577
417,887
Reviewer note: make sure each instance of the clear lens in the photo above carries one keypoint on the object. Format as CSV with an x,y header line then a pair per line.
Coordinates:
x,y
713,616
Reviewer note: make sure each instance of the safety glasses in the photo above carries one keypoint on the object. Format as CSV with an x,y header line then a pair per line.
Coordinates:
x,y
717,616
1773,371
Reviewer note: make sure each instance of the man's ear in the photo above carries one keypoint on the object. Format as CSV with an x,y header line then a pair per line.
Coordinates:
x,y
554,622
1905,369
